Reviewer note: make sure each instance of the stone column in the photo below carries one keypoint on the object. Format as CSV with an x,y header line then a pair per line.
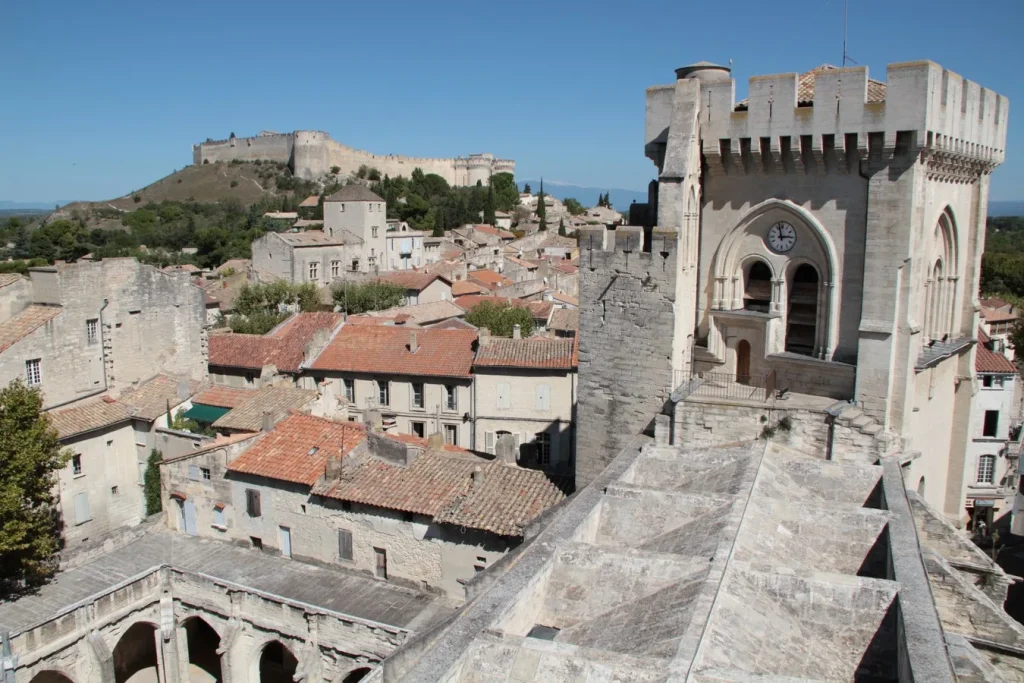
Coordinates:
x,y
778,292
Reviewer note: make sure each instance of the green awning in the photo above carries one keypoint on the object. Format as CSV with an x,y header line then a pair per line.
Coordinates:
x,y
205,413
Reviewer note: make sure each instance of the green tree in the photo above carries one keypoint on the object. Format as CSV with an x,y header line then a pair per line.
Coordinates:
x,y
367,296
542,210
501,318
30,457
561,226
151,483
573,206
526,189
489,217
506,194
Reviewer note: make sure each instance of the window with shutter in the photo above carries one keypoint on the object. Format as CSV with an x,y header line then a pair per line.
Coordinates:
x,y
218,516
252,502
344,544
82,512
489,442
543,402
193,473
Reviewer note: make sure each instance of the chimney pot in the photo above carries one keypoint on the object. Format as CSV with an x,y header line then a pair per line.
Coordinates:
x,y
517,332
478,477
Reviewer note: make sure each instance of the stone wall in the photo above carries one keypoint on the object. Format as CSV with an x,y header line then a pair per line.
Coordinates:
x,y
313,153
14,297
627,325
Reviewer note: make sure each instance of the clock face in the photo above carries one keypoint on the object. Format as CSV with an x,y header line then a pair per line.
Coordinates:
x,y
781,237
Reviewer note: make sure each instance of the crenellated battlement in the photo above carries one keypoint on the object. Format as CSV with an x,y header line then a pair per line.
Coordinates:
x,y
831,118
313,153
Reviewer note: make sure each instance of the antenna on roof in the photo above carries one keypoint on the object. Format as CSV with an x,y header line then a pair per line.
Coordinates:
x,y
846,32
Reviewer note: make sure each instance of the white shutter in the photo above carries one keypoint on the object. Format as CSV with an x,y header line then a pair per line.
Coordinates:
x,y
193,473
543,402
489,442
516,435
504,396
82,513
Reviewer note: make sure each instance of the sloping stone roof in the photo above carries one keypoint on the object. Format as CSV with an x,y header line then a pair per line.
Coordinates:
x,y
385,350
548,354
89,416
565,319
313,238
464,287
421,314
412,279
248,415
354,192
9,278
151,398
25,322
297,449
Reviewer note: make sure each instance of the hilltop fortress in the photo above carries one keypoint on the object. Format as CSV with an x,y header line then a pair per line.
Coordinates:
x,y
312,153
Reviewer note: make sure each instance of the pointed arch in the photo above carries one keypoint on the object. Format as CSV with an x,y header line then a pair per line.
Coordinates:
x,y
942,278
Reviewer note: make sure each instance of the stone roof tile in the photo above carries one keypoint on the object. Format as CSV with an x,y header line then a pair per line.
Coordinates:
x,y
565,319
89,416
248,415
223,397
25,322
151,398
284,346
354,192
548,354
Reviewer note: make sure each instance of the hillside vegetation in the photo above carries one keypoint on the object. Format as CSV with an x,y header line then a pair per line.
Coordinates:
x,y
1002,266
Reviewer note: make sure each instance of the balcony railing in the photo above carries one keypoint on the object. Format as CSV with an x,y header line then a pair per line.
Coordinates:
x,y
727,386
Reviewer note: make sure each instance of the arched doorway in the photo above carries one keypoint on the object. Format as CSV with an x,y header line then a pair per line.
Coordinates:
x,y
356,675
743,361
135,654
802,312
55,677
203,641
757,288
277,664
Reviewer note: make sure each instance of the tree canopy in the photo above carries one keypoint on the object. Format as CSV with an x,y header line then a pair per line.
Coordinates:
x,y
30,457
573,206
261,307
500,319
367,296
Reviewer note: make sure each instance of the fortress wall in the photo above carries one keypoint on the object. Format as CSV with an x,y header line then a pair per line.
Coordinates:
x,y
264,147
312,153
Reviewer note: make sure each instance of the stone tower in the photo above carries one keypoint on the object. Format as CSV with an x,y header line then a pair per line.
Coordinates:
x,y
628,293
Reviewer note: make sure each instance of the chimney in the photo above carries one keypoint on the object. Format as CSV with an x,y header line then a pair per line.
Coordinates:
x,y
485,336
435,441
478,477
413,347
267,422
333,472
517,332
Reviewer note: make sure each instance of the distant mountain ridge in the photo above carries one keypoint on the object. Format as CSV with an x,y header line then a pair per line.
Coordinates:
x,y
587,196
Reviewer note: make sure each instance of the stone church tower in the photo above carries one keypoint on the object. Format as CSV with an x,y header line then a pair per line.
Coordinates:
x,y
828,233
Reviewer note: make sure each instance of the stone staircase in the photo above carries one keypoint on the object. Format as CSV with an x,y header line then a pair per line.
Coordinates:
x,y
862,429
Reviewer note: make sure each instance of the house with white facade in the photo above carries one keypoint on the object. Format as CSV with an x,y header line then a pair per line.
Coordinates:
x,y
405,249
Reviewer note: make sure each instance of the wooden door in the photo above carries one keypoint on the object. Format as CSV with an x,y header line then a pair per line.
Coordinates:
x,y
743,361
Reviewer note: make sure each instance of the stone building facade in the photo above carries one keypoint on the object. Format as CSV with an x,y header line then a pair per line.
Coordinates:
x,y
312,154
104,325
796,215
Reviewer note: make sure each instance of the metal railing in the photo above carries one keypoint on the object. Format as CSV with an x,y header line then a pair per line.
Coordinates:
x,y
727,385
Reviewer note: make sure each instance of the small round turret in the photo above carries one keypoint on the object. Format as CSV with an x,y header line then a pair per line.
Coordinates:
x,y
704,72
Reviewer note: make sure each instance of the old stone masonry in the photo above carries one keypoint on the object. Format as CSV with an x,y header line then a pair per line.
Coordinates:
x,y
312,153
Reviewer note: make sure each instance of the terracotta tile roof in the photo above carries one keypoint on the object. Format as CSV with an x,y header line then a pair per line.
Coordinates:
x,y
451,251
239,265
310,202
25,322
9,278
297,449
414,440
283,347
994,302
547,354
367,319
988,361
223,397
422,314
565,298
565,319
497,232
993,315
452,324
488,278
86,417
541,310
354,192
464,287
412,279
151,398
384,350
440,485
805,87
247,416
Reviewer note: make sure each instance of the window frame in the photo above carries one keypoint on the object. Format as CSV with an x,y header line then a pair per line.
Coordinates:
x,y
451,398
542,440
414,388
92,329
76,465
34,372
335,269
314,271
253,503
349,387
986,464
453,431
383,393
990,430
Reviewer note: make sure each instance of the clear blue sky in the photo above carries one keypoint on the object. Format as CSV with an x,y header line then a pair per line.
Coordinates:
x,y
102,98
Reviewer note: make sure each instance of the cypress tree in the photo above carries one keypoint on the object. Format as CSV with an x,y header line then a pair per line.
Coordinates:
x,y
542,211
